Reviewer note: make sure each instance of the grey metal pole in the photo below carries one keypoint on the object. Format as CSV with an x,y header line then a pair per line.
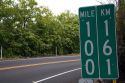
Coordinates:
x,y
1,52
56,51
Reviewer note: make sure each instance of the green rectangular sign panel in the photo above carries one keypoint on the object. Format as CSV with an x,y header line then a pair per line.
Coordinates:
x,y
98,42
88,42
107,41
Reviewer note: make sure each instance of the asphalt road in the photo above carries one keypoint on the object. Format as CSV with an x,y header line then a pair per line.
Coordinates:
x,y
41,70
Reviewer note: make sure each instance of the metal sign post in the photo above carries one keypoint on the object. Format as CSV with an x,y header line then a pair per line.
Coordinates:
x,y
1,49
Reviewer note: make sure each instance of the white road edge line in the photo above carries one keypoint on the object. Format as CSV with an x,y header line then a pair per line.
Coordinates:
x,y
56,75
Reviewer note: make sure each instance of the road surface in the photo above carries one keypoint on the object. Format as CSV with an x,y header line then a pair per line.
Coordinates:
x,y
64,69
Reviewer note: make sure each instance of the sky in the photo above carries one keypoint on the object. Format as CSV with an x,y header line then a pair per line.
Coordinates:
x,y
58,6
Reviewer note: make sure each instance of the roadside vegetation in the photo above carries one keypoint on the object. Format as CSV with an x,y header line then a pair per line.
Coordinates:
x,y
27,30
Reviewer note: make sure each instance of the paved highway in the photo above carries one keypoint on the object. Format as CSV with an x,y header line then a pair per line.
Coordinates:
x,y
64,69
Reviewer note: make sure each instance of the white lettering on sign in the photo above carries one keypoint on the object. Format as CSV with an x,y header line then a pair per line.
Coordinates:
x,y
105,12
109,66
87,13
88,28
88,63
107,47
86,48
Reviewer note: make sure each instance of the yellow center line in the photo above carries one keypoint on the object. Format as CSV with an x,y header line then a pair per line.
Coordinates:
x,y
31,65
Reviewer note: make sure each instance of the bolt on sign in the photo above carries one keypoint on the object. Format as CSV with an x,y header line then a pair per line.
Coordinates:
x,y
98,42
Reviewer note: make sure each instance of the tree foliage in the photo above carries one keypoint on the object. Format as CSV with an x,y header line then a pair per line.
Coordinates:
x,y
29,30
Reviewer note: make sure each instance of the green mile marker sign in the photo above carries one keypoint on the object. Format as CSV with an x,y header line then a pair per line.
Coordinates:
x,y
98,42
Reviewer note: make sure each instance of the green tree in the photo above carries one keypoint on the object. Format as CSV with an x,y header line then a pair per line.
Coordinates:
x,y
69,32
29,30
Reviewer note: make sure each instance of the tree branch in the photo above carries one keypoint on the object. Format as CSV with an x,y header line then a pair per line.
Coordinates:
x,y
100,2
